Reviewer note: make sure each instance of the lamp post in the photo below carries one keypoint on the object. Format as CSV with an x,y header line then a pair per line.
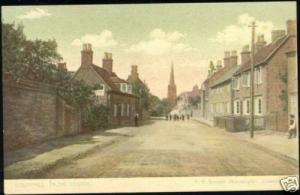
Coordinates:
x,y
252,81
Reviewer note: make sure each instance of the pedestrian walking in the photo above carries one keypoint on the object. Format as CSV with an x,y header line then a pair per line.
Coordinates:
x,y
182,117
292,127
167,117
170,116
188,117
136,119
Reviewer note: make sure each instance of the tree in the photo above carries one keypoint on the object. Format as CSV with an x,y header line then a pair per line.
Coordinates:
x,y
212,66
143,92
27,59
194,101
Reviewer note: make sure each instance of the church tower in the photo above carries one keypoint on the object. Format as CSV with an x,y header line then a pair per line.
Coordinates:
x,y
172,89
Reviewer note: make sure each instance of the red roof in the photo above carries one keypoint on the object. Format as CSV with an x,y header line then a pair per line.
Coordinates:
x,y
106,77
264,54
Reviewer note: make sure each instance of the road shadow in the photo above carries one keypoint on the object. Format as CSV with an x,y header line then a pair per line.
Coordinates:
x,y
34,150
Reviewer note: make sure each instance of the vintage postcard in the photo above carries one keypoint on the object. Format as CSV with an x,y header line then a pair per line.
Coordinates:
x,y
150,97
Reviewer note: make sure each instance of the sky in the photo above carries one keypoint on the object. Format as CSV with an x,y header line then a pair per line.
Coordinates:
x,y
152,36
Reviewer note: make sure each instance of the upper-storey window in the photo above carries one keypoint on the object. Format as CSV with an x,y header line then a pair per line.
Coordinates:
x,y
129,88
99,90
236,83
126,88
258,75
246,79
123,87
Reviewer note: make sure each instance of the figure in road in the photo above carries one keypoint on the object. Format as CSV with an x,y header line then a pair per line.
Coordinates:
x,y
292,127
136,119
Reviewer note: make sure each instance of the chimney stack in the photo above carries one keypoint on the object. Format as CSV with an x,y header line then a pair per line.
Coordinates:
x,y
86,54
62,66
227,58
219,65
277,33
233,58
134,71
245,54
291,27
107,62
260,43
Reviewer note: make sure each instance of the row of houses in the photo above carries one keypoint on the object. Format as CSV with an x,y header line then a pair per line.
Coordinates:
x,y
112,91
226,91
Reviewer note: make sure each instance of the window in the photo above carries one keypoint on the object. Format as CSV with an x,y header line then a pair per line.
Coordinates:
x,y
99,91
128,109
236,83
258,106
115,110
122,109
246,107
124,87
129,88
246,79
237,107
258,75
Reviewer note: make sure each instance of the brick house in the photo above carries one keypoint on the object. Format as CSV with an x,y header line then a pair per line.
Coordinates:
x,y
112,91
135,81
215,91
271,67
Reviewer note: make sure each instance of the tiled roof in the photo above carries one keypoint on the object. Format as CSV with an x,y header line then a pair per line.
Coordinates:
x,y
263,54
116,79
225,77
105,76
130,79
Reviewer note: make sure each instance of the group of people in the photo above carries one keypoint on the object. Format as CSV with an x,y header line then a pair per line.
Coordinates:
x,y
177,117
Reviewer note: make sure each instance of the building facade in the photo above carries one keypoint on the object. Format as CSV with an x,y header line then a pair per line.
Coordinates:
x,y
271,84
110,90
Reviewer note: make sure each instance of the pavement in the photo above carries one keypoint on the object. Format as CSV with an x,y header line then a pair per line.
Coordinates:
x,y
273,141
162,148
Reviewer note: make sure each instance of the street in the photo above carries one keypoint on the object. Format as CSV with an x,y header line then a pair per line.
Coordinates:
x,y
175,148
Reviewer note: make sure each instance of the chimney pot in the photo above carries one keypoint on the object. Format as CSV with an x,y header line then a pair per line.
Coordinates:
x,y
86,54
62,66
277,33
245,54
233,58
226,60
107,62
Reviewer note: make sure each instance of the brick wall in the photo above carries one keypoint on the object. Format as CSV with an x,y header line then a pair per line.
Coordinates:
x,y
33,113
119,99
276,67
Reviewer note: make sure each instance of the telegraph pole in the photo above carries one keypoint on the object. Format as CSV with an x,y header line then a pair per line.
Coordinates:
x,y
252,81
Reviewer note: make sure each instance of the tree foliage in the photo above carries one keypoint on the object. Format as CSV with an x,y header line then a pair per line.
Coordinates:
x,y
194,101
28,59
36,60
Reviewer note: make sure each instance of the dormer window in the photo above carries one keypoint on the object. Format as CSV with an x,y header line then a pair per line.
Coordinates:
x,y
129,89
126,88
99,90
236,83
246,79
123,87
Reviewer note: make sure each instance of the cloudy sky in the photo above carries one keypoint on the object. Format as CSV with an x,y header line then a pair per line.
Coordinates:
x,y
152,35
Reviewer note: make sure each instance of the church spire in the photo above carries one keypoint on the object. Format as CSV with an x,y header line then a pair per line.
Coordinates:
x,y
172,80
172,94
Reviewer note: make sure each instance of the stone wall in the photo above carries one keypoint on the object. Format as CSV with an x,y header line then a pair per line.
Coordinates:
x,y
33,113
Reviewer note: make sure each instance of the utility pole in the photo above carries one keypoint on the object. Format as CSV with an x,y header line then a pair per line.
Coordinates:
x,y
252,81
